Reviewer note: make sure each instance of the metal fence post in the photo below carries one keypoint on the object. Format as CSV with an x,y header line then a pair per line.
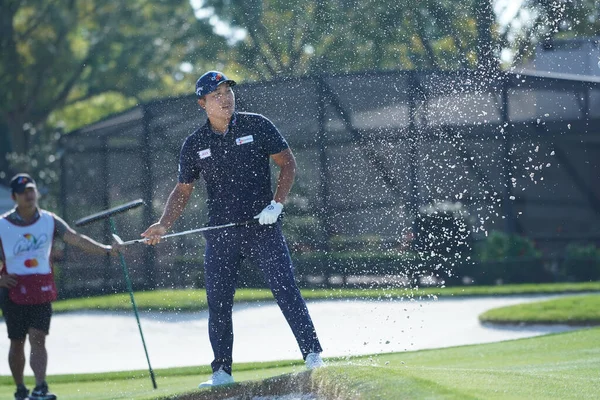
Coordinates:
x,y
507,143
147,195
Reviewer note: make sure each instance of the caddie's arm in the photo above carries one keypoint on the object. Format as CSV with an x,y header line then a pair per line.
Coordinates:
x,y
176,203
83,242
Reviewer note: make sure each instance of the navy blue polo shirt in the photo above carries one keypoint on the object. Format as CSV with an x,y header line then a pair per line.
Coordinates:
x,y
234,166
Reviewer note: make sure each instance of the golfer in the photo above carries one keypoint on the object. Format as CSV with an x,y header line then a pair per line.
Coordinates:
x,y
232,152
27,280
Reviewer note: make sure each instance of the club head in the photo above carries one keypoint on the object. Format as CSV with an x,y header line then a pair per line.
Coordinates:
x,y
117,238
109,213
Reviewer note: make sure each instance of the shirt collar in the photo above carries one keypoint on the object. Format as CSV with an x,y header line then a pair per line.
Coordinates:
x,y
232,123
15,217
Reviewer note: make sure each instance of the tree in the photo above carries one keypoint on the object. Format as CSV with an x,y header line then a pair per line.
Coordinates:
x,y
566,18
60,52
540,21
295,37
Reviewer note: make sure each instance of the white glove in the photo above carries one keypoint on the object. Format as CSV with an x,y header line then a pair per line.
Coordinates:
x,y
270,214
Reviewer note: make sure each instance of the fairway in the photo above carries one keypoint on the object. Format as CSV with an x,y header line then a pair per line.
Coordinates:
x,y
556,366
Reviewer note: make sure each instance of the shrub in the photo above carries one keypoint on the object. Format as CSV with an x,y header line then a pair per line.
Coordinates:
x,y
345,264
443,229
580,263
504,258
500,246
443,240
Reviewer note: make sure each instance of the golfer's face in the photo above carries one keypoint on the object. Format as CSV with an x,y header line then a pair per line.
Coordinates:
x,y
221,102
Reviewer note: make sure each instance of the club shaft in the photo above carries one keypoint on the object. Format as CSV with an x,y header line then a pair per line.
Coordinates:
x,y
207,228
135,310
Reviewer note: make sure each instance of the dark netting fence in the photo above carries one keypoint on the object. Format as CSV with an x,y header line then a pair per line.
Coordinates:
x,y
380,156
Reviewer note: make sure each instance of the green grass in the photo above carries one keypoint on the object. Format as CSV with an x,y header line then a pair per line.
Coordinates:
x,y
572,310
195,299
560,366
137,384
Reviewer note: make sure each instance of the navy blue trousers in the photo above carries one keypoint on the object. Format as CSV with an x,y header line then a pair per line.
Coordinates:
x,y
265,246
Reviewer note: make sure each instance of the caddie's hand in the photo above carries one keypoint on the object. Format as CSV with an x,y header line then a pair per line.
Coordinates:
x,y
270,213
8,280
154,233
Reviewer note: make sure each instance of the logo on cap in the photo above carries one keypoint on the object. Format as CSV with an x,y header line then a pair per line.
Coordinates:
x,y
20,182
209,82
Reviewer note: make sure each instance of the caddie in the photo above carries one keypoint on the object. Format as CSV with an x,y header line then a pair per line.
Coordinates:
x,y
27,280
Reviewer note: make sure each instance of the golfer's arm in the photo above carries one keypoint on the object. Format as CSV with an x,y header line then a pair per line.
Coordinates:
x,y
287,172
176,203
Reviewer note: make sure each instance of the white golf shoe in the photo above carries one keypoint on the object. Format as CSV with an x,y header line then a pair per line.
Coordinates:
x,y
314,360
219,377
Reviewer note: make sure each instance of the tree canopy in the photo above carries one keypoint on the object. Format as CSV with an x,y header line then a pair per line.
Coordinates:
x,y
298,37
77,60
542,21
60,52
294,37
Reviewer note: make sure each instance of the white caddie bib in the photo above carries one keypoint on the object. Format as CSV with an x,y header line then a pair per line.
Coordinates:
x,y
26,251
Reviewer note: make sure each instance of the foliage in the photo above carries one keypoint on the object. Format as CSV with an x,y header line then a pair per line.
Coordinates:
x,y
302,233
320,264
443,229
41,160
352,263
581,263
61,53
500,246
78,114
301,37
506,258
443,241
540,21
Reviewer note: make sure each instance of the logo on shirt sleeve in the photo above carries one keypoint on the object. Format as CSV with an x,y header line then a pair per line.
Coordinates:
x,y
204,153
244,140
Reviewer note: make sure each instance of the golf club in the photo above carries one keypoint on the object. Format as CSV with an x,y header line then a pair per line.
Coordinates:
x,y
207,228
135,310
109,214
